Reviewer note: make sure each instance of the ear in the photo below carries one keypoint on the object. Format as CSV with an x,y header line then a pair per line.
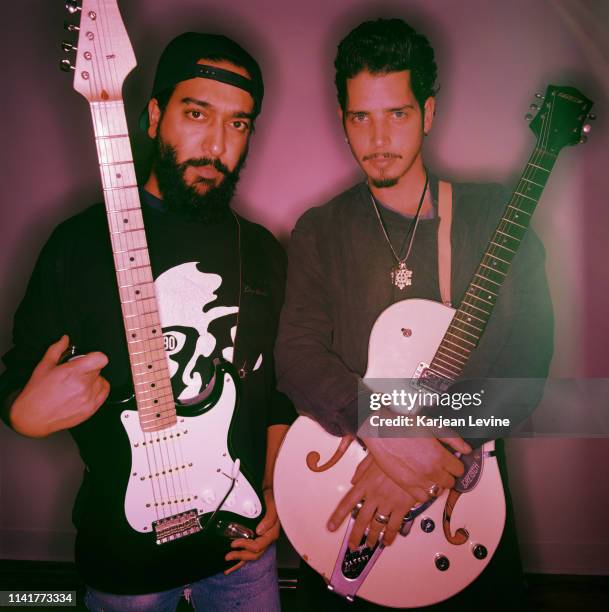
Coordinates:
x,y
429,110
154,116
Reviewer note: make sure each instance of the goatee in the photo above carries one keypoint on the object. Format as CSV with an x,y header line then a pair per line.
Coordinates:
x,y
210,207
384,182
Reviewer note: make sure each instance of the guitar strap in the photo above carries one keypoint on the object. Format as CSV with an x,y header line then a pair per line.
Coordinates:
x,y
445,212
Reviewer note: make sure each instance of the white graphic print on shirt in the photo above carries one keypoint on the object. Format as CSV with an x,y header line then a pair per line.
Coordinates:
x,y
183,295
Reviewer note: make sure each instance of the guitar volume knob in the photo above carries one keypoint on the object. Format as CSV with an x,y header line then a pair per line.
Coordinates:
x,y
442,562
427,525
480,551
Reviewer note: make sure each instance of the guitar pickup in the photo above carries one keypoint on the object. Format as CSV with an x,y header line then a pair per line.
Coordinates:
x,y
176,526
426,378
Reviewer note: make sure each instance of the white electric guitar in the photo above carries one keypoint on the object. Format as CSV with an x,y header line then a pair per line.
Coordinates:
x,y
182,476
446,543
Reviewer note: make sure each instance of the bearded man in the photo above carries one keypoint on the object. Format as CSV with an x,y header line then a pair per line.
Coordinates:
x,y
218,281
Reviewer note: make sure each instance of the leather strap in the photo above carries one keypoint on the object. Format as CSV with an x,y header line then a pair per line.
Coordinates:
x,y
445,212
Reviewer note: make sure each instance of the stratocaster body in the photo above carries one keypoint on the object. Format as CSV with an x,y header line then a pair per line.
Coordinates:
x,y
403,574
187,467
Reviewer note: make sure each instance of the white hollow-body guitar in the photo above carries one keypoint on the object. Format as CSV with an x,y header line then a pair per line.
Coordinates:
x,y
181,473
444,545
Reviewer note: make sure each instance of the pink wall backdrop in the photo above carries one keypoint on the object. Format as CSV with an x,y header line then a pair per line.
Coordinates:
x,y
493,57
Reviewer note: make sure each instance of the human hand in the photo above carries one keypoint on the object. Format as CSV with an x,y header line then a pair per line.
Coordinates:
x,y
418,463
61,396
246,549
380,497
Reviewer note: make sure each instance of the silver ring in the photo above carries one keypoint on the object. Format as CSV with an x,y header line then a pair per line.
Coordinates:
x,y
433,490
383,519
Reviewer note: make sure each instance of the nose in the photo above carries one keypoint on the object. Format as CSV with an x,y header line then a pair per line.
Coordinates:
x,y
214,139
380,133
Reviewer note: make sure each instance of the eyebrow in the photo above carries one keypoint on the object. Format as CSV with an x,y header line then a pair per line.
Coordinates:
x,y
205,104
386,110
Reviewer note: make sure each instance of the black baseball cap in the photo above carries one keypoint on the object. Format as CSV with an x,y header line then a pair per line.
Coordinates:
x,y
179,62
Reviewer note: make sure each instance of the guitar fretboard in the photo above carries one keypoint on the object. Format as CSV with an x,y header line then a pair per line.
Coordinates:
x,y
470,319
151,379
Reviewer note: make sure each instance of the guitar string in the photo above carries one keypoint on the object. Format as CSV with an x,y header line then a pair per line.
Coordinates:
x,y
174,431
130,243
504,225
110,153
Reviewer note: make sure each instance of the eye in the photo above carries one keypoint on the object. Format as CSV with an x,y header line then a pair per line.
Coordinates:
x,y
399,114
240,125
359,117
194,114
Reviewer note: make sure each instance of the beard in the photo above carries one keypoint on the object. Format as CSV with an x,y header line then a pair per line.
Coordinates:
x,y
209,207
382,183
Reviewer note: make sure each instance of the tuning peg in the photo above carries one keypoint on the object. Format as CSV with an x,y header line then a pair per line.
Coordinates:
x,y
66,65
70,27
528,117
534,107
539,96
72,6
587,128
67,46
592,116
583,140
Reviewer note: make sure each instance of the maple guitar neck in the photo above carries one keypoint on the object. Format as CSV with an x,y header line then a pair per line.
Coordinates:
x,y
151,378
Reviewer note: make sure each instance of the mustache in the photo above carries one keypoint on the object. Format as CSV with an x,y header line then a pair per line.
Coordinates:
x,y
204,161
386,155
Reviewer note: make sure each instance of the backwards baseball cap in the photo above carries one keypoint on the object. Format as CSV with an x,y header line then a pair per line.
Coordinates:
x,y
178,63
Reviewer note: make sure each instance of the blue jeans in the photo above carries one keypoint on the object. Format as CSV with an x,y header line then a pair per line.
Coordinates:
x,y
252,588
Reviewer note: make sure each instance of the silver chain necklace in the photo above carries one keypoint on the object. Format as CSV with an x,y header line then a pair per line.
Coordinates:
x,y
401,275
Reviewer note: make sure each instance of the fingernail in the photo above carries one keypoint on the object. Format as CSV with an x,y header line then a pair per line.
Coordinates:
x,y
331,526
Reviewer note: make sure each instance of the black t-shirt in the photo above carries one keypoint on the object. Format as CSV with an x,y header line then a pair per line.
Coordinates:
x,y
196,271
219,291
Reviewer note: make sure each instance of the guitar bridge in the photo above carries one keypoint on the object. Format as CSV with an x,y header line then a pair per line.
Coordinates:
x,y
176,526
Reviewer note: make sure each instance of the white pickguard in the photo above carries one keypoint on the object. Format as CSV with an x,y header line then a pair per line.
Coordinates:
x,y
405,574
185,467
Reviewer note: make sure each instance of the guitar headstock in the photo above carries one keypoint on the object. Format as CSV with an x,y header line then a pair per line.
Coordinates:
x,y
104,56
561,118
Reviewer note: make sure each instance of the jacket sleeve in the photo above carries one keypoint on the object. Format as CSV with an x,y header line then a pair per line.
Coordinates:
x,y
309,371
38,322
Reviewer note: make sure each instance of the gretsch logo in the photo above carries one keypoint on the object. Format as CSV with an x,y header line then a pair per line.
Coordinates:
x,y
466,481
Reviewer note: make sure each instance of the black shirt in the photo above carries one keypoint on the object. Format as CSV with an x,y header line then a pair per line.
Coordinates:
x,y
219,291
